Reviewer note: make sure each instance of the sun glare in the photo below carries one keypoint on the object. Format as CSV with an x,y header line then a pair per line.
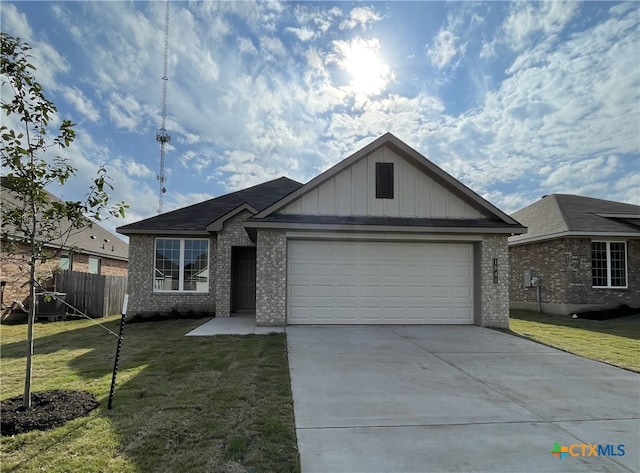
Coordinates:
x,y
368,73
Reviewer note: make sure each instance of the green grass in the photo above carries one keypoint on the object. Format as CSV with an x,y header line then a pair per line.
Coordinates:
x,y
182,404
614,341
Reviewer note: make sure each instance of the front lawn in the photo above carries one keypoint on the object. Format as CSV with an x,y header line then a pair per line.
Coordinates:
x,y
614,341
182,404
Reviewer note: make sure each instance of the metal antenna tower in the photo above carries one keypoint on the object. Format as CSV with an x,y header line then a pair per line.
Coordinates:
x,y
163,136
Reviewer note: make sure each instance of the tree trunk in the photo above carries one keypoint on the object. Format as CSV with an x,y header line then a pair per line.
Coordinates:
x,y
26,398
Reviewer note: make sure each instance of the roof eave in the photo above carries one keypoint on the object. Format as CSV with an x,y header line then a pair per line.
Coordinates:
x,y
382,228
569,234
217,224
72,248
166,231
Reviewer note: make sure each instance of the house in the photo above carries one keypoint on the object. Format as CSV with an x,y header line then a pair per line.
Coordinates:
x,y
383,237
90,250
583,252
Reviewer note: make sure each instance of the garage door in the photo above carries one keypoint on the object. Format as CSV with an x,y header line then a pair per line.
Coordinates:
x,y
337,282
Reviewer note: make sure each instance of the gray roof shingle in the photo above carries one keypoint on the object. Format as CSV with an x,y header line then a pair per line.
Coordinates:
x,y
196,217
562,214
94,240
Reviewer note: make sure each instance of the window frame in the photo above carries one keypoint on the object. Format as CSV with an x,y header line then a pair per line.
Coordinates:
x,y
69,259
181,277
99,263
383,185
608,268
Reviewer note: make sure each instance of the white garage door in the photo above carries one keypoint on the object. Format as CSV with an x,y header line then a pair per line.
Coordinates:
x,y
337,282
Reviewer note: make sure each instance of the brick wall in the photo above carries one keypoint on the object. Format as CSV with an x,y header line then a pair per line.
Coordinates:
x,y
548,259
271,278
108,266
232,234
492,306
494,296
564,269
113,267
15,271
142,298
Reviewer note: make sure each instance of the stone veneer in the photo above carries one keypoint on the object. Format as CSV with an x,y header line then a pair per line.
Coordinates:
x,y
491,306
563,266
232,234
494,297
271,278
142,298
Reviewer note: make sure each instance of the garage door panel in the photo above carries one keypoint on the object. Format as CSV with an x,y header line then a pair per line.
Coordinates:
x,y
379,282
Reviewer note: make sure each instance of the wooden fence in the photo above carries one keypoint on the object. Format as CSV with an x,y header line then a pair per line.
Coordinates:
x,y
94,294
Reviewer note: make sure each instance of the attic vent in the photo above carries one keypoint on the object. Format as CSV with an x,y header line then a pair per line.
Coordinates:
x,y
384,180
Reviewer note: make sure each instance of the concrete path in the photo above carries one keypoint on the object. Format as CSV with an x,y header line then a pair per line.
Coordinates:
x,y
244,324
446,398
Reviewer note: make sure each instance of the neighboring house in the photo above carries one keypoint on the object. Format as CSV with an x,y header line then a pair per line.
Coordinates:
x,y
383,237
584,252
89,250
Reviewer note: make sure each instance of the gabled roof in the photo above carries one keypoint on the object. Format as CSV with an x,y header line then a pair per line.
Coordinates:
x,y
414,157
208,216
563,215
95,240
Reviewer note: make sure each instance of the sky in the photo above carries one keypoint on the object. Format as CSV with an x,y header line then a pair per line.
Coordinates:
x,y
515,99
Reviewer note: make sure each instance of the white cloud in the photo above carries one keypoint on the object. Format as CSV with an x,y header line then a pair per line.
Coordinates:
x,y
245,170
360,16
273,47
303,34
321,19
488,50
580,173
81,103
15,23
132,168
296,110
246,45
527,19
47,61
628,188
444,49
125,111
198,161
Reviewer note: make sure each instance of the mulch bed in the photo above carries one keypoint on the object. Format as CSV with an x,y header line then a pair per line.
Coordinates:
x,y
48,410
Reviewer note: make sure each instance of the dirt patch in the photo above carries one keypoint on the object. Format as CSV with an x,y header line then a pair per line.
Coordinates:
x,y
48,410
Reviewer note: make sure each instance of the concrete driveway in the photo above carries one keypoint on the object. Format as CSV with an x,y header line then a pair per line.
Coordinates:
x,y
454,398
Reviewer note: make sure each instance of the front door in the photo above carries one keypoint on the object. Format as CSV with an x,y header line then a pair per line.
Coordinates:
x,y
243,279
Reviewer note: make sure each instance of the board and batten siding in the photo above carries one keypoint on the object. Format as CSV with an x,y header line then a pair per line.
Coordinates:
x,y
352,192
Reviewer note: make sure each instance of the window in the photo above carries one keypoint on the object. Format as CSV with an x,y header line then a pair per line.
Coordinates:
x,y
608,264
181,265
94,265
65,262
384,180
